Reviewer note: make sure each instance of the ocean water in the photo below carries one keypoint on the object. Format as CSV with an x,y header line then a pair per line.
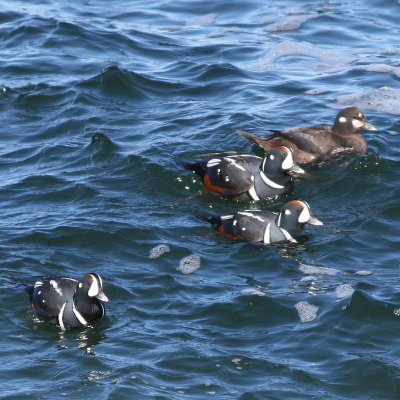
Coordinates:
x,y
98,102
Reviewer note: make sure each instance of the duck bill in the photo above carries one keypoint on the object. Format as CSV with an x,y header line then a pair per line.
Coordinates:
x,y
297,169
370,127
101,296
315,221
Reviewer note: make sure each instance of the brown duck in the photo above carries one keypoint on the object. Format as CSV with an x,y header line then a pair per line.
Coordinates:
x,y
320,144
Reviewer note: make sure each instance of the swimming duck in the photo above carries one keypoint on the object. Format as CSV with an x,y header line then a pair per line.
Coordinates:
x,y
244,177
266,226
70,302
320,144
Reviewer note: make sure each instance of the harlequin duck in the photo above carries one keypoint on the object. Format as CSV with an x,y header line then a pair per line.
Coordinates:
x,y
265,226
73,303
244,177
320,144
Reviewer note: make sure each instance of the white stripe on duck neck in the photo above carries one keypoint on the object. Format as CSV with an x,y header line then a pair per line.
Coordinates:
x,y
288,236
253,194
267,234
269,182
60,317
79,316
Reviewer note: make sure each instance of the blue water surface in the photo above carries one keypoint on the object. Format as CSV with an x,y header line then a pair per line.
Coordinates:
x,y
99,100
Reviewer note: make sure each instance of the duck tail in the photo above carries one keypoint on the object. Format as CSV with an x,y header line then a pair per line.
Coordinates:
x,y
199,168
253,139
213,220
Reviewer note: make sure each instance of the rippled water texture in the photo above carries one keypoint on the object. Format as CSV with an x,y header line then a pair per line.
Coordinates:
x,y
98,102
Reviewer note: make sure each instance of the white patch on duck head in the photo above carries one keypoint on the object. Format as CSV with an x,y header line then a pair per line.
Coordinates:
x,y
305,215
342,120
94,289
357,124
288,162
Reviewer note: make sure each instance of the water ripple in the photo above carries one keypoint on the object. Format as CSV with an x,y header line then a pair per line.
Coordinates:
x,y
98,101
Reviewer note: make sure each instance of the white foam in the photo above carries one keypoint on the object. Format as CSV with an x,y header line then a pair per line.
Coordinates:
x,y
290,23
307,312
377,68
308,278
329,59
189,264
364,273
395,50
311,269
315,91
252,292
384,99
343,291
159,250
207,19
224,31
